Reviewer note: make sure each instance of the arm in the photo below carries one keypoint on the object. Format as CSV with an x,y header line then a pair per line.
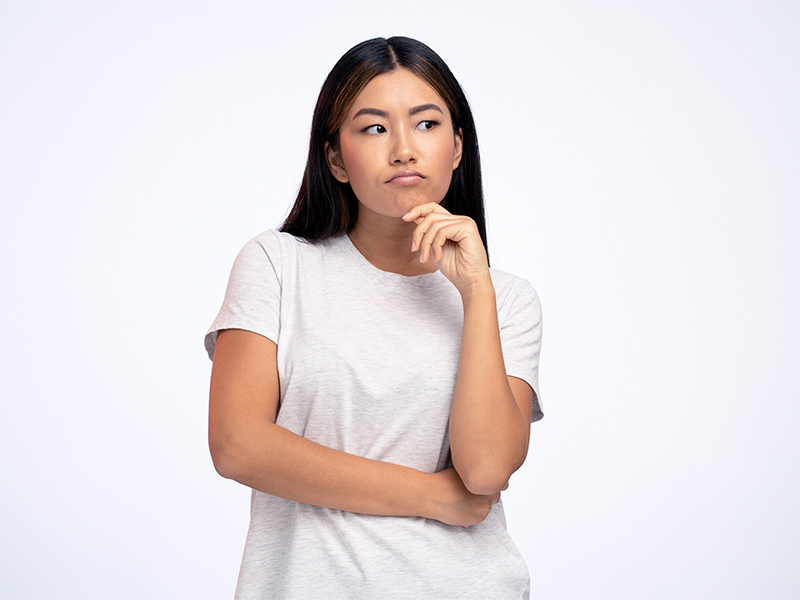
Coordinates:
x,y
247,445
490,418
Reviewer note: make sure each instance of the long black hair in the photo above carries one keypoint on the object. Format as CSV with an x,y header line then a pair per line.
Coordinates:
x,y
326,207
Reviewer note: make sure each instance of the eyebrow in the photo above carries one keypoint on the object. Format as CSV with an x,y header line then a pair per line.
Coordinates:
x,y
382,113
423,108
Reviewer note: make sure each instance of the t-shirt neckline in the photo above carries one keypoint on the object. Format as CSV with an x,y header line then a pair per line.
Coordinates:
x,y
371,270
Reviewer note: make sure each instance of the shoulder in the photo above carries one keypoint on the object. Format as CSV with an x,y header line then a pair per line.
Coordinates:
x,y
272,242
513,292
274,247
284,254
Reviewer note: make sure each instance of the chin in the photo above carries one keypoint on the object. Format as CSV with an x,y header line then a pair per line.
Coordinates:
x,y
411,203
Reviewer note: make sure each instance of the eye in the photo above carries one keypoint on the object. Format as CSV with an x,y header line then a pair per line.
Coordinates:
x,y
427,125
374,129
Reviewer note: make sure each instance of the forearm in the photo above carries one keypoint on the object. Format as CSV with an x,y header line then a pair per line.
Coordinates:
x,y
249,447
274,460
488,431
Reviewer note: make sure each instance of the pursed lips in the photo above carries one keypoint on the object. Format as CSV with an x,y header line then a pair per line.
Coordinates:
x,y
406,177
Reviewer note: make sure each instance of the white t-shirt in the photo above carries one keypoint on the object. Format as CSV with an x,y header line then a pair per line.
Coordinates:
x,y
367,362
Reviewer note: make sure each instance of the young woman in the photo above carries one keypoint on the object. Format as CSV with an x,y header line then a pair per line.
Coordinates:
x,y
374,381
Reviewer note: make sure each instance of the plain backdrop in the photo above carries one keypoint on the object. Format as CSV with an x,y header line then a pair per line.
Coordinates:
x,y
641,165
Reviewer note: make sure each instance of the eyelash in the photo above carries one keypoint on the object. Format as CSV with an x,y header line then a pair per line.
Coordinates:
x,y
432,125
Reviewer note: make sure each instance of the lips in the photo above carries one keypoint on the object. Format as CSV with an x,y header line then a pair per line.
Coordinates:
x,y
406,177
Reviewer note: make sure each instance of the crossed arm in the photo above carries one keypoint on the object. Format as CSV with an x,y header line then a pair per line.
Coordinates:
x,y
489,427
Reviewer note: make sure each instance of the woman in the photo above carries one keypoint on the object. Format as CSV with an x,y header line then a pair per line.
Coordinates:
x,y
373,380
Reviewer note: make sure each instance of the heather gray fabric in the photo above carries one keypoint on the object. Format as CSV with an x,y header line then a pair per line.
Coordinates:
x,y
367,363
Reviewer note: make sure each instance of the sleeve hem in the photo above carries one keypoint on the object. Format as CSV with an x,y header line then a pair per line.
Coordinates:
x,y
536,405
211,336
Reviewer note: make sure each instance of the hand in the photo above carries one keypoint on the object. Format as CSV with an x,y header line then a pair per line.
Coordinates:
x,y
452,241
453,504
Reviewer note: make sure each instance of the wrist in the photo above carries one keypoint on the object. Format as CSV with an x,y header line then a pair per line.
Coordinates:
x,y
476,289
426,500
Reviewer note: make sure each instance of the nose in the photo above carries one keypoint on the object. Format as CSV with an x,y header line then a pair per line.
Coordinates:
x,y
403,149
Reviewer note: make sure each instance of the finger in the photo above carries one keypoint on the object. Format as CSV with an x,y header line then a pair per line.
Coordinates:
x,y
446,232
468,226
423,225
431,229
423,210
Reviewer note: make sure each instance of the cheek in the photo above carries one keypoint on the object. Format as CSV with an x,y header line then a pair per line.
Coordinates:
x,y
355,161
442,158
443,152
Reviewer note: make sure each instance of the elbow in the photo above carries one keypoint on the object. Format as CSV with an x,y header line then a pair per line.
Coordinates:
x,y
484,484
237,452
486,475
488,479
227,457
223,466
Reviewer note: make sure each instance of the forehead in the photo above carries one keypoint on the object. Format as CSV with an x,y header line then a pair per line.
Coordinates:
x,y
399,89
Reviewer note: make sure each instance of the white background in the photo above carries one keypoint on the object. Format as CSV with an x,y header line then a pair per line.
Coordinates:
x,y
641,169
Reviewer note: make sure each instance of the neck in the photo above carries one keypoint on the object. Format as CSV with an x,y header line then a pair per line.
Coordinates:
x,y
386,243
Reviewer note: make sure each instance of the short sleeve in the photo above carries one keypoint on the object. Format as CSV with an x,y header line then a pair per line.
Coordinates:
x,y
521,339
253,298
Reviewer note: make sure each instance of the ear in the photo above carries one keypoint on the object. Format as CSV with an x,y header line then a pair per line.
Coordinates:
x,y
458,149
335,164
